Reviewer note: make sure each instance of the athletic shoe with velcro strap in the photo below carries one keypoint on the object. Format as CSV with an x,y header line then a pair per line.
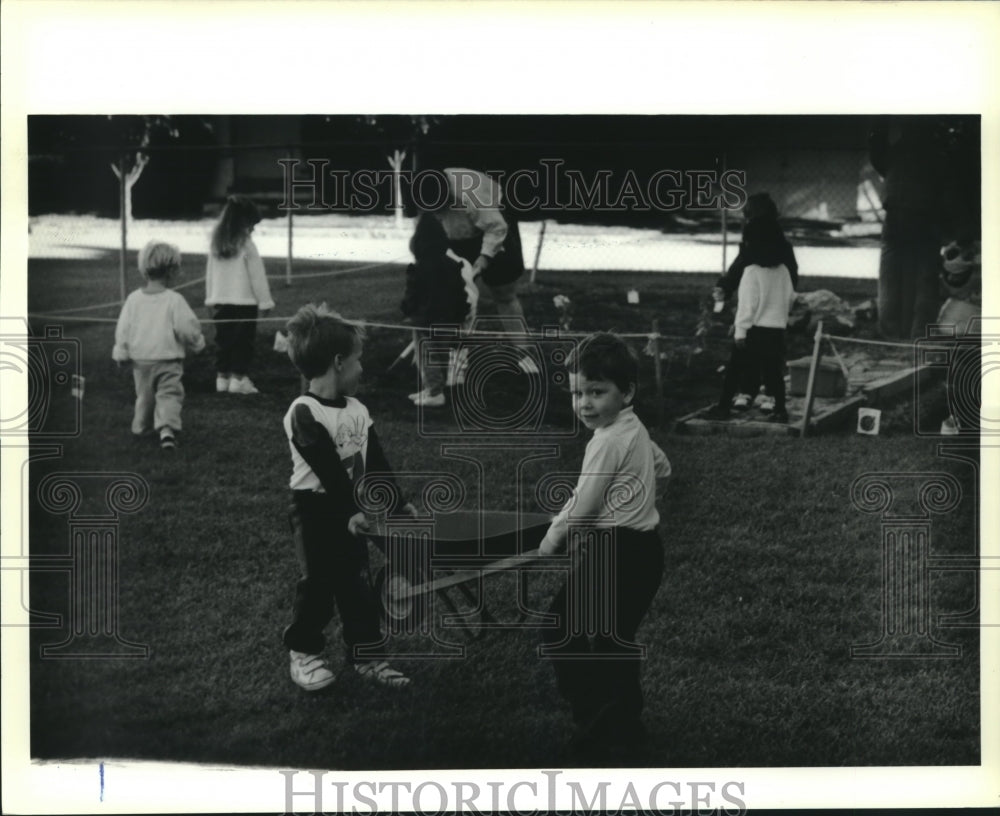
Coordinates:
x,y
310,671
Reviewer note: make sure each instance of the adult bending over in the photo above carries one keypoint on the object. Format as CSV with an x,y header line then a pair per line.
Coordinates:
x,y
468,205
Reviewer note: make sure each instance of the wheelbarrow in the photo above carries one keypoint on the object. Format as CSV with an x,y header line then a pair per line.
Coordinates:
x,y
453,552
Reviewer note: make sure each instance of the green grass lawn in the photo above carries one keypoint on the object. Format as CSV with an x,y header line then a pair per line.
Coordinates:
x,y
771,574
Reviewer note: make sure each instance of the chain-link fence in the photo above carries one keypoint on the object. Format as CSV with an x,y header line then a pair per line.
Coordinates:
x,y
676,209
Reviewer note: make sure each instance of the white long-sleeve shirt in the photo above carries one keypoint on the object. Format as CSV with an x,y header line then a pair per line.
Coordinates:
x,y
475,209
238,281
617,480
156,326
765,296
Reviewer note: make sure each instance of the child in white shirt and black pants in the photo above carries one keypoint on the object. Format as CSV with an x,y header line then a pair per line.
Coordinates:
x,y
765,296
236,285
598,672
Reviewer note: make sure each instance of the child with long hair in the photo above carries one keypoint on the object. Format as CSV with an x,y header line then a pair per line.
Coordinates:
x,y
154,329
236,285
764,298
760,207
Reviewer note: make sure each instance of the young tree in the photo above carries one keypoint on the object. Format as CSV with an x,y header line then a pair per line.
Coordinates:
x,y
395,129
396,163
134,134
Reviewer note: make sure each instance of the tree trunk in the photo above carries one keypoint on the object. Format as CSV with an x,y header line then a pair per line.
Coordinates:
x,y
128,201
131,177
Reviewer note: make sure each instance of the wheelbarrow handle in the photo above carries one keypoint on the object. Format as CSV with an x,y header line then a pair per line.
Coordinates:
x,y
464,576
403,355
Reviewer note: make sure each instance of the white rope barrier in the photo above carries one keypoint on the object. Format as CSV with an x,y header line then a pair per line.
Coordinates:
x,y
841,338
369,324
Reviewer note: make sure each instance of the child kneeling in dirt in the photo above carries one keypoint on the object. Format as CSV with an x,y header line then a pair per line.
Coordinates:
x,y
333,444
598,672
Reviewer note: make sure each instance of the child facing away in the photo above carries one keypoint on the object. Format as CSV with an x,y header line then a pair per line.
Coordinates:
x,y
333,444
236,285
604,692
155,328
760,207
439,292
764,299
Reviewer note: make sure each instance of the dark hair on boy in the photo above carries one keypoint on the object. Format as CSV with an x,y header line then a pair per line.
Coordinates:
x,y
317,335
605,356
764,243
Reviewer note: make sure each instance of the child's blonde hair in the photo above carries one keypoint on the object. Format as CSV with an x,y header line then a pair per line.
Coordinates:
x,y
158,259
317,335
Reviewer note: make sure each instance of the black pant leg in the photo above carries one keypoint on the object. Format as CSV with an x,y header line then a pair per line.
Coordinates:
x,y
756,351
638,573
314,593
223,340
771,351
244,336
360,612
571,656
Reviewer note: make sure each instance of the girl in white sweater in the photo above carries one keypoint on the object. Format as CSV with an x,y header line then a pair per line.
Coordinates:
x,y
236,285
765,296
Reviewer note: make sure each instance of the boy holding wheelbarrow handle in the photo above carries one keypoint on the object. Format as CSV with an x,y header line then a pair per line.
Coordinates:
x,y
598,672
333,444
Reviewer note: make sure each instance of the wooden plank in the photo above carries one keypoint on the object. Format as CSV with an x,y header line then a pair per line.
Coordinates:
x,y
837,414
886,388
811,384
731,427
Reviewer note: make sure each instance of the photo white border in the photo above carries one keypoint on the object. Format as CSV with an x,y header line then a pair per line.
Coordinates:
x,y
229,56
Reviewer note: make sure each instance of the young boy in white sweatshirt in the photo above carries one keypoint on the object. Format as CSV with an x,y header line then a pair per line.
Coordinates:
x,y
154,329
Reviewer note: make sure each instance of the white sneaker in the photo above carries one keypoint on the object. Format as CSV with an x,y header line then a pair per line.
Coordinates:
x,y
221,384
428,400
310,671
527,365
242,385
766,403
383,674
